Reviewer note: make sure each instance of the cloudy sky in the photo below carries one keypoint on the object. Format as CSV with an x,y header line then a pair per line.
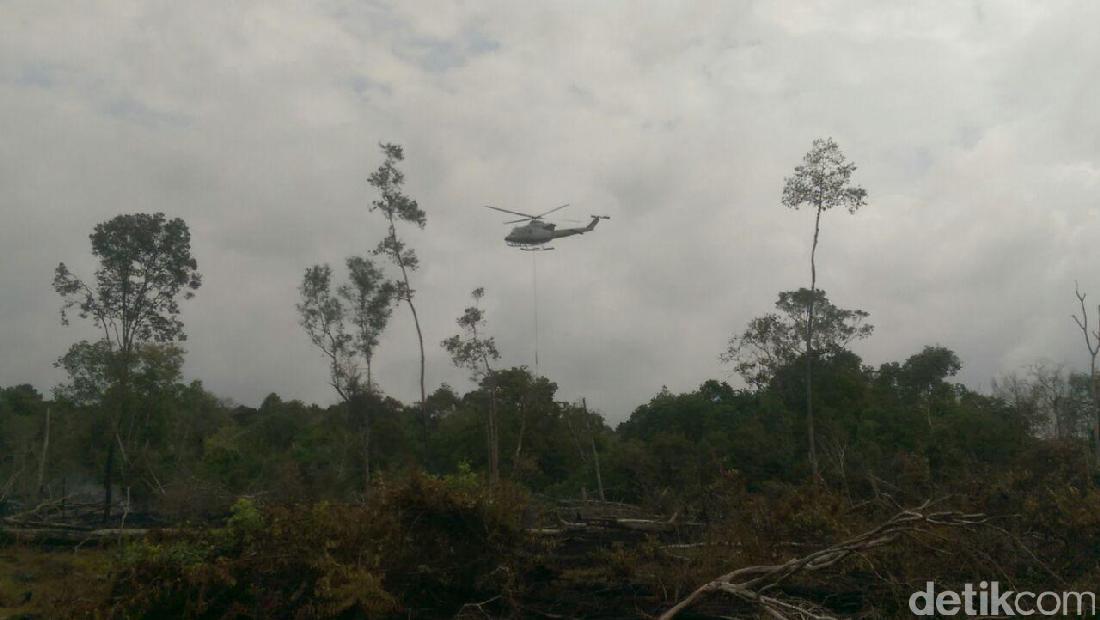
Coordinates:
x,y
976,128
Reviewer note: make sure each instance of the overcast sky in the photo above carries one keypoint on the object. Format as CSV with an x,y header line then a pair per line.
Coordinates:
x,y
975,126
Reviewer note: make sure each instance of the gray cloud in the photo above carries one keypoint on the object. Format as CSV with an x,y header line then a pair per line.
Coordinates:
x,y
974,127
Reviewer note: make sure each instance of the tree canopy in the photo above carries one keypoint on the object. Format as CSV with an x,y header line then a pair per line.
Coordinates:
x,y
776,339
145,266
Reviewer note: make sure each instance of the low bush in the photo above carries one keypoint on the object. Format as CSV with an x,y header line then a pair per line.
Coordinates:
x,y
423,545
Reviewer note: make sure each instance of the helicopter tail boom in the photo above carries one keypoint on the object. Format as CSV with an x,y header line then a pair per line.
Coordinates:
x,y
569,232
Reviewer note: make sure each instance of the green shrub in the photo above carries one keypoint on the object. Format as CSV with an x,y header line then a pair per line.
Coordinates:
x,y
424,543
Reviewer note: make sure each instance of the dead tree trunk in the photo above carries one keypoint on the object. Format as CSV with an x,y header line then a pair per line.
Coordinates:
x,y
493,434
519,440
1092,345
108,470
595,454
365,420
43,456
810,352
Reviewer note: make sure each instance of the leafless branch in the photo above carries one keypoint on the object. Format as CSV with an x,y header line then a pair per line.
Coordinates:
x,y
10,484
749,583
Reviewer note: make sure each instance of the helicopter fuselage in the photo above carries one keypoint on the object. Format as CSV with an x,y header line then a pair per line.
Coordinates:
x,y
538,232
533,233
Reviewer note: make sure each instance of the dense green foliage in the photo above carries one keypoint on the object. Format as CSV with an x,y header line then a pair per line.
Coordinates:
x,y
902,425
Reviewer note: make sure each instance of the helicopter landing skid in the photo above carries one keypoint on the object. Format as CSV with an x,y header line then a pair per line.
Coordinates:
x,y
529,248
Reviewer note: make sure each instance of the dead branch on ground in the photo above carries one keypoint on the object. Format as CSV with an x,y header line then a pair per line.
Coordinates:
x,y
750,583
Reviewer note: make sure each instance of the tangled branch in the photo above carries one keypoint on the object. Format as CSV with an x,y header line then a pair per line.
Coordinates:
x,y
751,582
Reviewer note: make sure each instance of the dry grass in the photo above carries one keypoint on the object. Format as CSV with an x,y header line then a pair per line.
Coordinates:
x,y
40,583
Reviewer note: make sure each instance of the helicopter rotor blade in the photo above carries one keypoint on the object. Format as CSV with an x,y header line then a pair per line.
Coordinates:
x,y
551,210
526,215
526,219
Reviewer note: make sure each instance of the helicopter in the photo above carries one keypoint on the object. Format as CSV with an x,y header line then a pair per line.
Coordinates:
x,y
537,232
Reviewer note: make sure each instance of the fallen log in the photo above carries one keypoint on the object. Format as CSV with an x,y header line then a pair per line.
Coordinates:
x,y
646,525
31,524
66,537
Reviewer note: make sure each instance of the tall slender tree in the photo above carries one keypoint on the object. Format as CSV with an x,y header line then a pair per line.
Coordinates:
x,y
396,207
323,317
145,267
366,302
820,182
473,350
369,296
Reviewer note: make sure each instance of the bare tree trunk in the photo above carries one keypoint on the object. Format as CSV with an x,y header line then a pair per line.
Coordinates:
x,y
8,486
595,454
420,341
1093,349
366,461
1059,419
496,439
1095,402
519,441
107,480
492,434
416,321
1096,407
366,420
42,457
928,408
810,353
115,440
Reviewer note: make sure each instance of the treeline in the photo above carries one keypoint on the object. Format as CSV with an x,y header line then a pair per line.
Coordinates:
x,y
902,426
190,450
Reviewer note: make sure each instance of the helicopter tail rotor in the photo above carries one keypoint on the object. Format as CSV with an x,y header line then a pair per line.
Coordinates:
x,y
596,220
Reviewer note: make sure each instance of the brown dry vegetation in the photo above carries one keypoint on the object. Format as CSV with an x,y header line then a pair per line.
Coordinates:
x,y
455,547
38,582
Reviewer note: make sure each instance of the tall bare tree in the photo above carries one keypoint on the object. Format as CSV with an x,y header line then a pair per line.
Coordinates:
x,y
397,207
1054,397
820,182
1054,403
1092,345
145,267
472,350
